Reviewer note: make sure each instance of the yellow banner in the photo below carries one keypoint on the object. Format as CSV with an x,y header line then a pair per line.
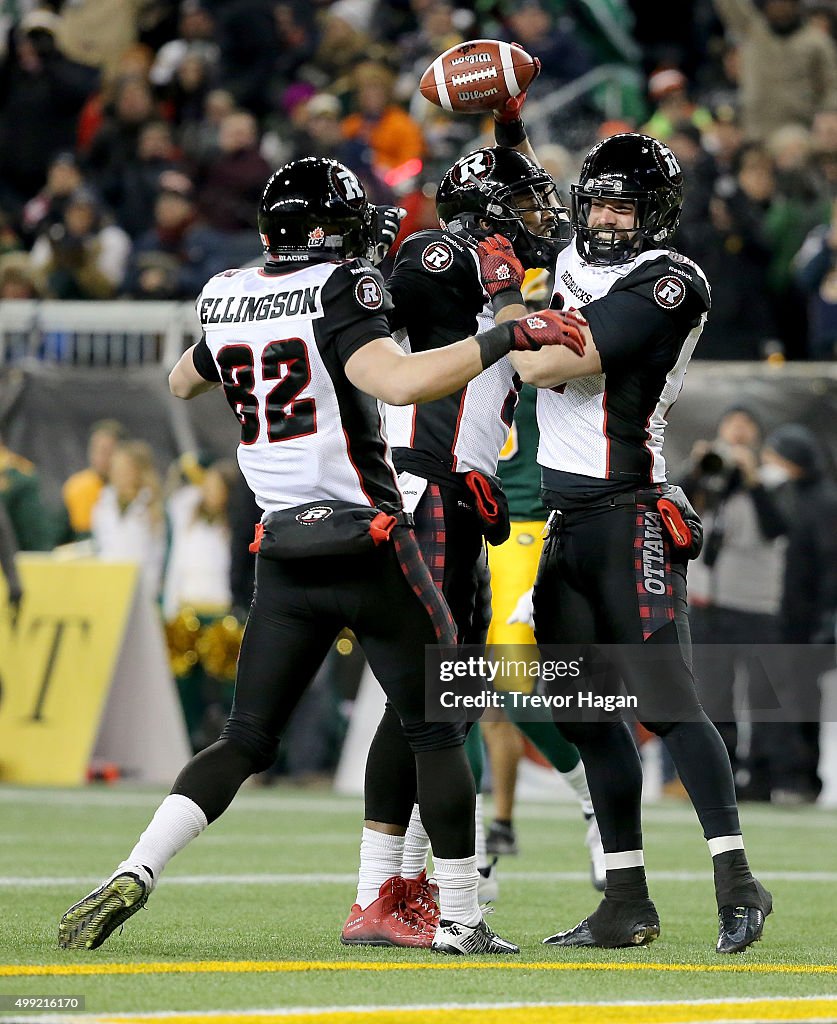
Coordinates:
x,y
57,663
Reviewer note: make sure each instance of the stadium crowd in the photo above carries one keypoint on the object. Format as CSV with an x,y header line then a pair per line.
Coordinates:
x,y
136,137
135,141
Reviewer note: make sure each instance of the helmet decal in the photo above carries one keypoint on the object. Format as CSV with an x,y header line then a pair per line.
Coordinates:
x,y
347,185
476,165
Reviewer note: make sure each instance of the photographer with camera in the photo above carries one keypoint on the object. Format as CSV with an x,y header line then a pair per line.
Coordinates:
x,y
735,585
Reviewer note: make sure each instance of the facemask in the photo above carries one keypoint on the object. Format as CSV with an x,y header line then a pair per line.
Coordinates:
x,y
772,475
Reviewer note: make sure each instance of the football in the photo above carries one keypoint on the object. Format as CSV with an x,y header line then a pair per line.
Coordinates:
x,y
477,76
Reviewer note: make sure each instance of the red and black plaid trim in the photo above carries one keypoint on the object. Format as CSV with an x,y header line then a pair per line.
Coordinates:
x,y
652,571
418,576
431,533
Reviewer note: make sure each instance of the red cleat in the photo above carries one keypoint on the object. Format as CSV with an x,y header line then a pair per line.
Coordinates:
x,y
390,921
423,899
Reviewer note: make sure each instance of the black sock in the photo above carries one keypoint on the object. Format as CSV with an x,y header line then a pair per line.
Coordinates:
x,y
626,885
734,882
505,822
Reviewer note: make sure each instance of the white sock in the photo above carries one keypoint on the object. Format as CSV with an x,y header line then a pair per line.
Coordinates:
x,y
380,859
457,881
577,779
482,853
416,846
176,822
723,844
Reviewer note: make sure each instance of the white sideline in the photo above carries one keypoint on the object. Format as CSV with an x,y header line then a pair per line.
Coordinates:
x,y
287,1011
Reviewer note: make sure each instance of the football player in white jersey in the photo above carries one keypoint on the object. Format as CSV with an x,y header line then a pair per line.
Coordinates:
x,y
302,349
611,571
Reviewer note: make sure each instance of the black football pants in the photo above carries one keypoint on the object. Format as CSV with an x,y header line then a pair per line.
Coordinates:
x,y
449,533
298,608
607,577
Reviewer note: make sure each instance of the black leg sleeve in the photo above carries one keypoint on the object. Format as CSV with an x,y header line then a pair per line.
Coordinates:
x,y
390,788
614,776
447,798
702,763
213,777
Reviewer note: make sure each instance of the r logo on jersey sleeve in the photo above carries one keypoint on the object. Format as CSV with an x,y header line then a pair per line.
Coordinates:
x,y
437,257
369,293
669,292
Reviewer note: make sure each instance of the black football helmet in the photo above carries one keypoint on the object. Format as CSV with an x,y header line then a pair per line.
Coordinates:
x,y
489,185
628,167
314,209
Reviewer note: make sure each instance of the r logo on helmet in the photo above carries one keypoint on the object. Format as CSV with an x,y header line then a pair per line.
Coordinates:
x,y
669,292
475,165
347,185
368,293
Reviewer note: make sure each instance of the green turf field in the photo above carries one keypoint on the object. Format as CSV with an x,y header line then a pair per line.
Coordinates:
x,y
272,882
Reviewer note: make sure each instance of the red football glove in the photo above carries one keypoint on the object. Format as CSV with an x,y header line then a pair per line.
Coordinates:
x,y
549,327
500,269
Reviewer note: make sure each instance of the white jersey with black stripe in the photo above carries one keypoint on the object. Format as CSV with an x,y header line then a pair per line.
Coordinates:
x,y
612,425
279,342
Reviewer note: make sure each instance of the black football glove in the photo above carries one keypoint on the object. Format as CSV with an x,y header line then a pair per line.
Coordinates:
x,y
386,223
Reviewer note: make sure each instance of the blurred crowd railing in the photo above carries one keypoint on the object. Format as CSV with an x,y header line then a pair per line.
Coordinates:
x,y
96,333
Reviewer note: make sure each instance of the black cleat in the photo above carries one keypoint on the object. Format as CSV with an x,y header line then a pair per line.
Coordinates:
x,y
739,927
613,925
501,840
88,923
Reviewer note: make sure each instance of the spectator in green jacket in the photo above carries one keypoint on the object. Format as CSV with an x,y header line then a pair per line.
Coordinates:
x,y
21,495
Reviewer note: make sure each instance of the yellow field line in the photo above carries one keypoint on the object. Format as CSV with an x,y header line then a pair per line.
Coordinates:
x,y
296,966
772,1010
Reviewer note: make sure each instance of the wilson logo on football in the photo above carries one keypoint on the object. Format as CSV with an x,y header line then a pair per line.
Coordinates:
x,y
669,292
368,293
314,515
536,323
316,237
437,257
